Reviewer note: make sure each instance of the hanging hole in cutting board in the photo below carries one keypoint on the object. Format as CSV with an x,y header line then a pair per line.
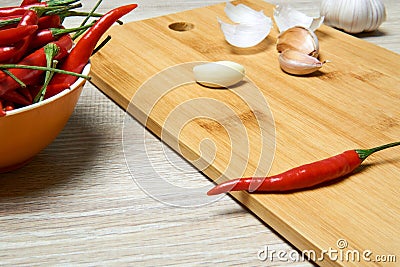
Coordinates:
x,y
181,26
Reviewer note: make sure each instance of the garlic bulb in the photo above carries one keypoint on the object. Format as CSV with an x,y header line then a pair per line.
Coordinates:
x,y
300,39
219,74
297,63
353,16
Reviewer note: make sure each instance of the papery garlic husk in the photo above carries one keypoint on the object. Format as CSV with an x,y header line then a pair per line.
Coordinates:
x,y
219,74
251,27
245,35
300,39
242,13
297,63
287,17
353,16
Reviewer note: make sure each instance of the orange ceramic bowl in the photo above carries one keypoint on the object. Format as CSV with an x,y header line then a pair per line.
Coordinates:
x,y
26,131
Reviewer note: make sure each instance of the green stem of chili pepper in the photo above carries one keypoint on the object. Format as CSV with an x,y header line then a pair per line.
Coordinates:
x,y
304,176
83,49
73,13
42,11
7,22
50,50
9,73
60,2
364,153
17,66
45,36
90,13
63,11
80,32
55,10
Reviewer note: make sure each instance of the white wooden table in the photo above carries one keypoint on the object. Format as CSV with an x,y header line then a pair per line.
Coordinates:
x,y
77,203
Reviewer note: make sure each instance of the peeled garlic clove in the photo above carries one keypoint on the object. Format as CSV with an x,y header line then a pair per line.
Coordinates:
x,y
286,17
297,63
300,39
353,16
219,74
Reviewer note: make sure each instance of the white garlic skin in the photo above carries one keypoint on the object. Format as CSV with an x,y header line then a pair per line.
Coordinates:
x,y
353,16
219,74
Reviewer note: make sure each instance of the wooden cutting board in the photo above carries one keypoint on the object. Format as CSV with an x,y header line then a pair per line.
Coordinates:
x,y
353,102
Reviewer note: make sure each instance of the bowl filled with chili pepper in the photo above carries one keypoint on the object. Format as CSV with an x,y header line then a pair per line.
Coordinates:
x,y
43,72
26,131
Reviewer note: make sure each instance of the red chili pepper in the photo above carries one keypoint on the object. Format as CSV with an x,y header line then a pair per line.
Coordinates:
x,y
24,91
45,36
18,10
81,53
9,22
29,18
12,54
51,21
2,19
9,107
2,109
51,89
7,52
37,58
304,176
29,2
13,35
5,106
16,97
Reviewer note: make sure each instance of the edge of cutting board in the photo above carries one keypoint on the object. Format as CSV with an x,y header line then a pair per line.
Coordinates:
x,y
364,76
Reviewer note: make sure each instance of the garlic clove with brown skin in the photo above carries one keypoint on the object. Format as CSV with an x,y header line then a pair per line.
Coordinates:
x,y
300,39
353,16
298,63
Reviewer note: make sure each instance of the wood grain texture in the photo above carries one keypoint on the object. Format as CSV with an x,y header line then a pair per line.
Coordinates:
x,y
76,202
352,102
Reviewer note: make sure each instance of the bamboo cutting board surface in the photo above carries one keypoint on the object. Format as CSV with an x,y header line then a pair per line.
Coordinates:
x,y
353,102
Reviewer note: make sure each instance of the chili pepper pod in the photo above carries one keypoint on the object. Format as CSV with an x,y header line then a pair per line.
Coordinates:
x,y
29,2
9,107
7,52
18,10
50,21
21,9
46,36
51,90
9,22
36,58
13,35
29,18
14,52
17,98
304,176
2,109
82,51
